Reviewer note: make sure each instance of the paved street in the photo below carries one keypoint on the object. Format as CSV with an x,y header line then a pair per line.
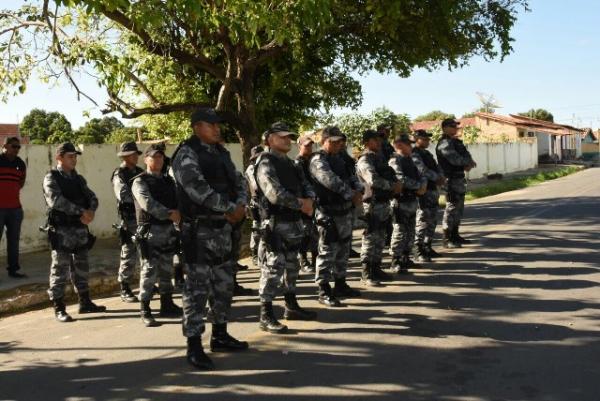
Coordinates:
x,y
515,316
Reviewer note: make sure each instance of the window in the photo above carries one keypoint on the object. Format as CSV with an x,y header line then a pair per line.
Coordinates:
x,y
531,134
521,134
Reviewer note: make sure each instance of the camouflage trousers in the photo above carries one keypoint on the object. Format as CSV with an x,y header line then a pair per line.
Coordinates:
x,y
310,241
278,259
455,206
427,217
255,237
334,247
208,268
157,261
236,242
403,235
69,260
377,215
128,256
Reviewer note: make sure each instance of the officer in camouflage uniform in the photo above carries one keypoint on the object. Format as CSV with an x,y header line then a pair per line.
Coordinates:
x,y
156,237
387,151
429,201
351,166
454,159
284,195
253,206
404,205
71,207
380,185
206,182
310,241
121,180
333,184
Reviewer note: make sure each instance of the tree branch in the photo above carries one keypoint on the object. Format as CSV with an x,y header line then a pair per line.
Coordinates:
x,y
143,88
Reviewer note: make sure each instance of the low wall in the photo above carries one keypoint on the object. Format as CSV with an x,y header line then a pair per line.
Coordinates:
x,y
97,163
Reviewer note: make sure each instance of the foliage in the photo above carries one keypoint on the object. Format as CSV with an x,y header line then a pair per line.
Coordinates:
x,y
470,134
97,130
120,135
469,114
354,124
434,116
539,114
46,127
255,61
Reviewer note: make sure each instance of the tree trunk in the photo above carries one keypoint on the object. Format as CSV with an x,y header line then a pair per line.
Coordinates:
x,y
247,132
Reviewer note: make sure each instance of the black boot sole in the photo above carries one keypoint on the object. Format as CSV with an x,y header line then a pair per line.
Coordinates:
x,y
203,365
98,310
264,327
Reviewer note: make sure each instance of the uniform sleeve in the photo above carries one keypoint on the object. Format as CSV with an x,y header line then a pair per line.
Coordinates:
x,y
321,172
307,189
55,199
451,154
121,189
189,176
431,175
141,193
90,195
268,182
407,182
241,188
368,174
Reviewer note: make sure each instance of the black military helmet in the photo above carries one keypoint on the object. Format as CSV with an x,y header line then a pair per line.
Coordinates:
x,y
332,133
154,149
403,138
450,122
128,148
421,133
279,128
206,114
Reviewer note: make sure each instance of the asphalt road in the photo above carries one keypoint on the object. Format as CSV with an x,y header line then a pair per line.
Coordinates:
x,y
513,317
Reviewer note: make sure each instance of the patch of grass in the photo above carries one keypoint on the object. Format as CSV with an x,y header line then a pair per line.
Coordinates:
x,y
519,182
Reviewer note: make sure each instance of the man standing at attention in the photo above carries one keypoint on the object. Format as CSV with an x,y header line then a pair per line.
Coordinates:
x,y
12,179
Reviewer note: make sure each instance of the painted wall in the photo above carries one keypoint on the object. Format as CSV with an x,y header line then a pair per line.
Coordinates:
x,y
97,163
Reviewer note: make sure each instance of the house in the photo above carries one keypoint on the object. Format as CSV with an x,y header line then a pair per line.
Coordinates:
x,y
8,130
590,147
554,141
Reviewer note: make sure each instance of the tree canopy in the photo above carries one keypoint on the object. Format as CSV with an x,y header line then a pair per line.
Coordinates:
x,y
540,114
434,115
256,61
46,127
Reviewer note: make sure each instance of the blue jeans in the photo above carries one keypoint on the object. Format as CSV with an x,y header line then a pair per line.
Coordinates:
x,y
11,219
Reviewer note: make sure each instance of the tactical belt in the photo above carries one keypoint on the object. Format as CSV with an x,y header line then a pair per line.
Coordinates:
x,y
208,220
288,215
337,210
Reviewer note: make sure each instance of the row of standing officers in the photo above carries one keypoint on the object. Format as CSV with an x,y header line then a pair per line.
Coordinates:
x,y
190,217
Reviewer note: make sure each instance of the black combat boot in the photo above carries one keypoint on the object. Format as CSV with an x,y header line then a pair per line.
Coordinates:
x,y
168,307
404,263
449,241
326,296
459,239
87,306
367,277
431,252
146,315
60,313
379,274
196,356
293,311
304,263
343,290
353,254
126,294
396,265
221,341
422,255
268,321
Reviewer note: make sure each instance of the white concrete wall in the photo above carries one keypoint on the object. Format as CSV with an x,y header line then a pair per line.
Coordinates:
x,y
97,163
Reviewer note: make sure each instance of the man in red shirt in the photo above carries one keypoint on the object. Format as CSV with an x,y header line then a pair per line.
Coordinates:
x,y
12,179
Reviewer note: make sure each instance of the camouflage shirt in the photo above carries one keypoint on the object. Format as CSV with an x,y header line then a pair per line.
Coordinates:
x,y
55,199
141,193
407,182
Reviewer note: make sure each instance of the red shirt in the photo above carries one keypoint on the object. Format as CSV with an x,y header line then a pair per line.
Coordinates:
x,y
12,174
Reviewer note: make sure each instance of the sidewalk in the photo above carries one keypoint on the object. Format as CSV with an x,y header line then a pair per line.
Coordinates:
x,y
542,168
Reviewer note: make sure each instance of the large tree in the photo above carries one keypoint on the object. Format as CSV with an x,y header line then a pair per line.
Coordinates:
x,y
46,127
97,130
540,114
255,61
434,115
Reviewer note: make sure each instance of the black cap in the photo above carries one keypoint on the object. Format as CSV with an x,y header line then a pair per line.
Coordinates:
x,y
279,128
206,114
421,133
450,122
369,134
128,148
66,147
403,138
333,133
255,151
154,149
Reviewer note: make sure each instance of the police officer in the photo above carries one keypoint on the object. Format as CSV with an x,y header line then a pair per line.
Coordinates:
x,y
121,180
429,201
156,211
310,241
351,166
387,150
284,196
253,205
404,205
454,159
236,238
71,207
206,181
380,185
333,184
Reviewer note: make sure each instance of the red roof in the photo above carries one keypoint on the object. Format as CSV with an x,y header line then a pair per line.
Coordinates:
x,y
8,130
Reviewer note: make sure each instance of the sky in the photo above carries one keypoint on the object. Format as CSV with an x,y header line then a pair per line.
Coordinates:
x,y
555,65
